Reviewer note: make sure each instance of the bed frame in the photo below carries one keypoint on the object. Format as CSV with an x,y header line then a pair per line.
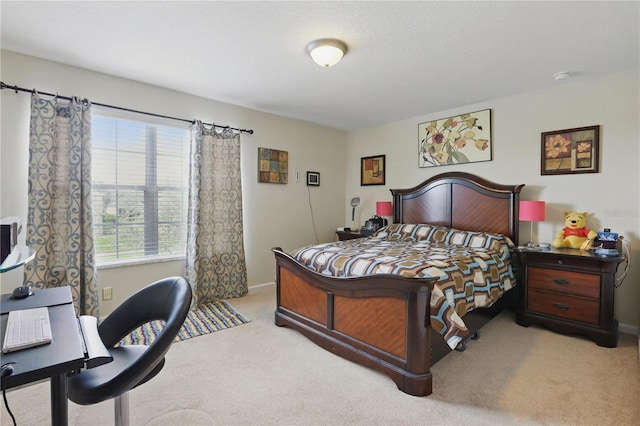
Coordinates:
x,y
382,321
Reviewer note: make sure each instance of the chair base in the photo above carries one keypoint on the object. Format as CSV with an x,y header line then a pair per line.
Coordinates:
x,y
121,409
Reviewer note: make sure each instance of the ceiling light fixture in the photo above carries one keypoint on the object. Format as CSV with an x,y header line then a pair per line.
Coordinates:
x,y
326,52
561,75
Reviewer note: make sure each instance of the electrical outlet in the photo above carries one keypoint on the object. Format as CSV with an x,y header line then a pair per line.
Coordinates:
x,y
107,293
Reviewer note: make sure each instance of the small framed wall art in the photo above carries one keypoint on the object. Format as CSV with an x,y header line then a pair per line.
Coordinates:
x,y
372,170
313,179
570,151
273,166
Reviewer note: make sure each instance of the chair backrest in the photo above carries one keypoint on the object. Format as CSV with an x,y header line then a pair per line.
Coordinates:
x,y
168,300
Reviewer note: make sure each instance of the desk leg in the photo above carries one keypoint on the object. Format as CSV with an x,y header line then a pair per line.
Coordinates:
x,y
59,403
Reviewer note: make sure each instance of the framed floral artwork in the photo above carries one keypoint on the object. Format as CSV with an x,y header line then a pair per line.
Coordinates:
x,y
464,138
570,151
372,170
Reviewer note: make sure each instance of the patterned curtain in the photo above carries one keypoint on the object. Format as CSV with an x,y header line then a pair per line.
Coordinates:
x,y
216,267
59,224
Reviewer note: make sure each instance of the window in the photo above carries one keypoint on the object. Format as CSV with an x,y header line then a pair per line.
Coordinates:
x,y
139,187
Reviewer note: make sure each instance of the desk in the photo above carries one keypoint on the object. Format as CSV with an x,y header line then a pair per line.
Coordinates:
x,y
18,257
55,360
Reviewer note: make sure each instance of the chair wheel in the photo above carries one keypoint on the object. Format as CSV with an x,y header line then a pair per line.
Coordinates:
x,y
475,336
462,346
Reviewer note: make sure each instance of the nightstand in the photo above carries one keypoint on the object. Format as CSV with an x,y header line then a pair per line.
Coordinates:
x,y
569,292
348,235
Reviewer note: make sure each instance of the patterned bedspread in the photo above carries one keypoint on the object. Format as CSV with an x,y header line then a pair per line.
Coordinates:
x,y
473,268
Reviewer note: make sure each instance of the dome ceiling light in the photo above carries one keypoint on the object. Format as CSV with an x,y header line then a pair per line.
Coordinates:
x,y
561,75
326,52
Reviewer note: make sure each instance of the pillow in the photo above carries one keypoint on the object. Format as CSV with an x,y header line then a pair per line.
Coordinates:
x,y
441,234
476,239
407,232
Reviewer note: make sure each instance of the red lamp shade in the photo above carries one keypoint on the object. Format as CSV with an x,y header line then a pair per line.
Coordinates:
x,y
532,211
384,208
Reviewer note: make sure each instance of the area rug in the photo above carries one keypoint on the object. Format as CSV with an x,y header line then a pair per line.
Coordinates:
x,y
207,318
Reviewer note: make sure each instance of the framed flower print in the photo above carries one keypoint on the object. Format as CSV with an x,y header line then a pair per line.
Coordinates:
x,y
570,151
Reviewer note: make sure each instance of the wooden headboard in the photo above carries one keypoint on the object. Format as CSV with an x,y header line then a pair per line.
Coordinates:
x,y
462,201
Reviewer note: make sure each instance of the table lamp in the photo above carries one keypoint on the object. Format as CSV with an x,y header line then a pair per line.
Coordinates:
x,y
384,208
532,211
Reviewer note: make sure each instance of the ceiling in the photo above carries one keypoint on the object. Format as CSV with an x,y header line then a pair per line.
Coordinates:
x,y
405,59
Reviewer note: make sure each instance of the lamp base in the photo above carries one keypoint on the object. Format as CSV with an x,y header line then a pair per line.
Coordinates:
x,y
540,246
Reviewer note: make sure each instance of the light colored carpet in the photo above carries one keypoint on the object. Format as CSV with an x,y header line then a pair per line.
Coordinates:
x,y
262,374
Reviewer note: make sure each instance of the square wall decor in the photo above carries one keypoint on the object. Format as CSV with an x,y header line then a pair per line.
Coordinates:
x,y
372,170
313,179
273,166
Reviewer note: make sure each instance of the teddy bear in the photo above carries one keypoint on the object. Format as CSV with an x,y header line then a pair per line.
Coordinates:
x,y
575,233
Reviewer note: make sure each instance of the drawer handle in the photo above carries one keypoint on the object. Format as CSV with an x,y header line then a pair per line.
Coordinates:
x,y
560,281
561,306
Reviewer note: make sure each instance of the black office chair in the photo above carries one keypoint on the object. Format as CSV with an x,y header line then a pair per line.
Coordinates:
x,y
168,300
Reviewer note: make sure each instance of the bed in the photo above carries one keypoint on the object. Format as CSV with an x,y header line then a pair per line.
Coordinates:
x,y
385,320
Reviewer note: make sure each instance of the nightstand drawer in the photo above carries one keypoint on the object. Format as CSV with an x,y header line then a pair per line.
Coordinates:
x,y
566,262
564,306
568,282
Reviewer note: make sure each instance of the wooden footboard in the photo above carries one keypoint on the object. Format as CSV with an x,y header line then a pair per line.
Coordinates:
x,y
380,321
383,321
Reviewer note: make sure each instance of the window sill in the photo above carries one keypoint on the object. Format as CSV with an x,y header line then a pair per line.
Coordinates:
x,y
135,262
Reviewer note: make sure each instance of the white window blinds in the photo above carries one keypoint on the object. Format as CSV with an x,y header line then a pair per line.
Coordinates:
x,y
139,186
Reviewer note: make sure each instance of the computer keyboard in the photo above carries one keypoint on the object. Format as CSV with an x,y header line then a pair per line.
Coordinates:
x,y
27,328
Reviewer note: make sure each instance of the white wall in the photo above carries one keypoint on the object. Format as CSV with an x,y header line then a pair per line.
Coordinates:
x,y
274,215
612,196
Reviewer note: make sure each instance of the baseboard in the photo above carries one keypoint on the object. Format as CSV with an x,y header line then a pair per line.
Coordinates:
x,y
262,285
629,329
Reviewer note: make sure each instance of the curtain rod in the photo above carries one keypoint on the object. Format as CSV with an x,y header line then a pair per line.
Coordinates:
x,y
17,89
